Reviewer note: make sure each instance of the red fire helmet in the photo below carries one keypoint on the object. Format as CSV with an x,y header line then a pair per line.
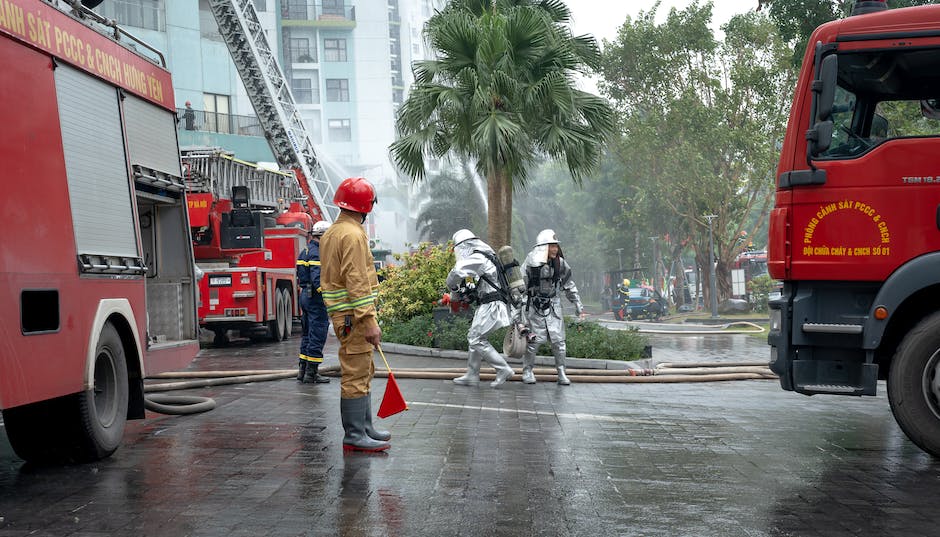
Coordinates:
x,y
355,194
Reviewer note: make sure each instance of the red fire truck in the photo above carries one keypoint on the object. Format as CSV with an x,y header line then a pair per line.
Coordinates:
x,y
855,233
97,284
245,244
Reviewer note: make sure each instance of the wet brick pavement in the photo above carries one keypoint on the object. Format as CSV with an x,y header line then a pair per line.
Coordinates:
x,y
701,459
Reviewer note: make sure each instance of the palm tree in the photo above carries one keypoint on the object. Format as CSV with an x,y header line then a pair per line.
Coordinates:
x,y
451,202
501,93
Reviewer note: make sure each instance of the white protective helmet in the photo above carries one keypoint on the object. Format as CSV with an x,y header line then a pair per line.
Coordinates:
x,y
546,236
463,235
319,228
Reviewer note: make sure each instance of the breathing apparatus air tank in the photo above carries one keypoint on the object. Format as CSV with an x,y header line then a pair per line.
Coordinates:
x,y
511,267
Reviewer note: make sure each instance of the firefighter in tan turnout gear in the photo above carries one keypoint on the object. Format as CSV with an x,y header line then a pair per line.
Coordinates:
x,y
349,287
547,276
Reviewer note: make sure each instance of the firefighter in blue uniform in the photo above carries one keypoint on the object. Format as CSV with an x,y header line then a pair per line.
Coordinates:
x,y
315,322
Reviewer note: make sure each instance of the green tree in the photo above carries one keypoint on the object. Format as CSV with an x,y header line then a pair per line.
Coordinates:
x,y
501,93
796,19
701,120
450,201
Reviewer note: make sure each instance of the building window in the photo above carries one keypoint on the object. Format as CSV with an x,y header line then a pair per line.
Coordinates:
x,y
334,50
294,9
337,90
334,7
261,5
147,14
302,90
340,130
300,51
218,113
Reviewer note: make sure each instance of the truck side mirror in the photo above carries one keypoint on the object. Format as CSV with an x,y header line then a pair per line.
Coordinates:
x,y
820,134
828,72
823,131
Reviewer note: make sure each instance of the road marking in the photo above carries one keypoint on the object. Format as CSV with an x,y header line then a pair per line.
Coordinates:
x,y
567,415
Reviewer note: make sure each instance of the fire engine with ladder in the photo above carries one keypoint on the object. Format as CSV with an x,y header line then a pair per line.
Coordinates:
x,y
244,241
855,232
97,276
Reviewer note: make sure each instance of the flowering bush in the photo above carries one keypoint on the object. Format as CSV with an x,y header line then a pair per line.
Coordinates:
x,y
412,288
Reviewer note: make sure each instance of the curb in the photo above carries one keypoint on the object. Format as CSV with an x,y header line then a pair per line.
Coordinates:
x,y
549,361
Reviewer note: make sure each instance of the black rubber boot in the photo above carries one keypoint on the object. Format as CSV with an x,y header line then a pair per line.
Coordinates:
x,y
301,368
312,375
375,434
353,414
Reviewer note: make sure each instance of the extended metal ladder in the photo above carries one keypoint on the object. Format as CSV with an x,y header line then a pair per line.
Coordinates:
x,y
215,171
270,95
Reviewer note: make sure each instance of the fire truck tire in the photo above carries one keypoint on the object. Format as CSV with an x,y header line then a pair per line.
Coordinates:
x,y
914,385
104,408
276,325
81,427
288,313
221,338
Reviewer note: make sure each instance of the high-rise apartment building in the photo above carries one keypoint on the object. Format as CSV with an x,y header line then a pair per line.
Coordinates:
x,y
348,65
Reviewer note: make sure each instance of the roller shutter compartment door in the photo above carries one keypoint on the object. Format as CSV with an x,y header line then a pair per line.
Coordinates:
x,y
93,145
151,136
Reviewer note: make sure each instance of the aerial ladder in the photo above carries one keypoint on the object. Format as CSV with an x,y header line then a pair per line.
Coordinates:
x,y
270,95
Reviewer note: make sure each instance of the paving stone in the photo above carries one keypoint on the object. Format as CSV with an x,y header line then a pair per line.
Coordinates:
x,y
699,459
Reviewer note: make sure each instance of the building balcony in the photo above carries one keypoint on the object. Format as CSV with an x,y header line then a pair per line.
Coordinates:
x,y
310,14
219,123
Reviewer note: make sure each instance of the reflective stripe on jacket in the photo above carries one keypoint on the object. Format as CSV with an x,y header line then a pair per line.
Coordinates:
x,y
348,274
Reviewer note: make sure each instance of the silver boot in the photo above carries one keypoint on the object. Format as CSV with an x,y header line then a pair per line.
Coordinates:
x,y
502,375
503,371
528,361
527,375
559,352
472,376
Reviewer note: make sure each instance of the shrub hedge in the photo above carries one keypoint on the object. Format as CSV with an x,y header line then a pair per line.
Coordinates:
x,y
410,291
584,339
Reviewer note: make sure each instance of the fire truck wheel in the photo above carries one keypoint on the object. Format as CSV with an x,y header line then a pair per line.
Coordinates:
x,y
914,385
103,409
276,325
221,338
81,427
288,313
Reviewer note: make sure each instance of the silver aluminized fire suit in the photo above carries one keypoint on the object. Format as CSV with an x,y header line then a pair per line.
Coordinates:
x,y
473,268
546,280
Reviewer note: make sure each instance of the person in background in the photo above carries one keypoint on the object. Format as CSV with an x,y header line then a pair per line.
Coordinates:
x,y
314,320
547,276
349,284
189,117
476,277
623,292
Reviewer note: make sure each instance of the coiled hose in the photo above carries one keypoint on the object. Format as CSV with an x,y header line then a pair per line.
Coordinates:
x,y
193,404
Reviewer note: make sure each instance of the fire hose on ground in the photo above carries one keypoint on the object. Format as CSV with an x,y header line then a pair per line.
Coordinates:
x,y
663,373
711,372
192,404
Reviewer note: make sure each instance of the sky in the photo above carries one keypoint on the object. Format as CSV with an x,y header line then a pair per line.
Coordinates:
x,y
603,18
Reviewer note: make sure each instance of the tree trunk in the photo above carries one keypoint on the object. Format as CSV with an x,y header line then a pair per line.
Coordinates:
x,y
499,199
